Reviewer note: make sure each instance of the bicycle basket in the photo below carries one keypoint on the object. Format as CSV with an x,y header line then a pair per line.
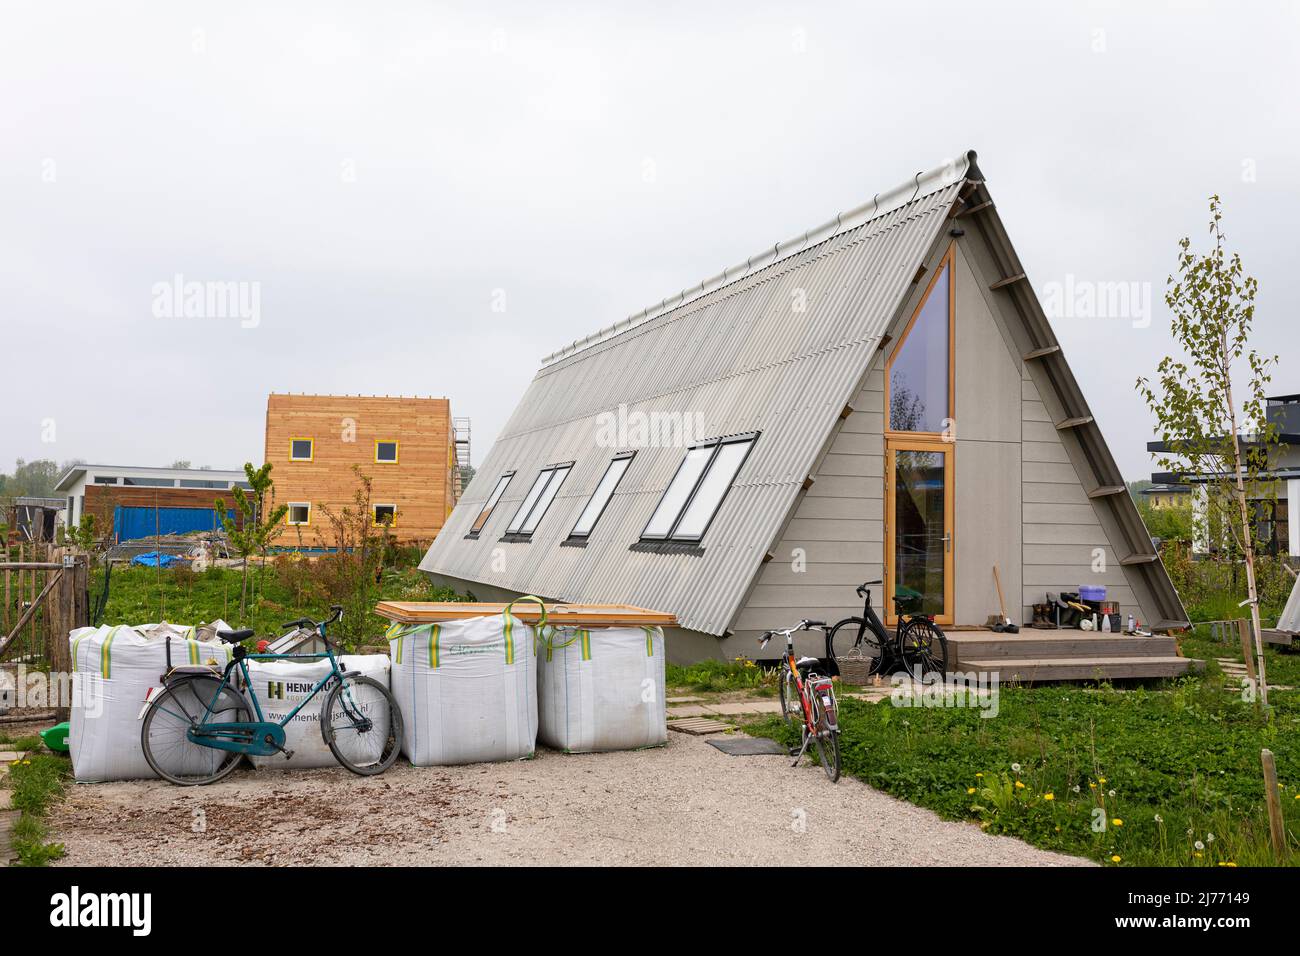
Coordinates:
x,y
855,667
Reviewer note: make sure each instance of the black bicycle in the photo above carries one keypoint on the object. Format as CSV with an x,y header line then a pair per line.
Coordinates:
x,y
918,645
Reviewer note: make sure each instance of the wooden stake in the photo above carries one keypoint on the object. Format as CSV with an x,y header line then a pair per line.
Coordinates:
x,y
1276,832
1248,652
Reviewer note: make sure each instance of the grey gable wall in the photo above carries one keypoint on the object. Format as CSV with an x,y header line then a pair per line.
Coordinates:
x,y
1020,501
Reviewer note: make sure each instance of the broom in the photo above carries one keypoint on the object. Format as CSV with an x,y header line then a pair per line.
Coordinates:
x,y
1004,625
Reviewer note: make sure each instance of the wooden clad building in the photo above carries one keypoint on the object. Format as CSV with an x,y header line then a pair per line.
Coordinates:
x,y
405,445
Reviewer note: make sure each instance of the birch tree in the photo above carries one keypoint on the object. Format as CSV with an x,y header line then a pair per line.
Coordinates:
x,y
1217,430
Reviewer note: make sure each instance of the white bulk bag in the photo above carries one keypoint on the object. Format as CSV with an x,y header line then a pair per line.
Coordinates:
x,y
601,688
114,668
283,685
467,689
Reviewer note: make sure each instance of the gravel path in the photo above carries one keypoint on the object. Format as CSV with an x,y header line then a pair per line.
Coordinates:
x,y
685,803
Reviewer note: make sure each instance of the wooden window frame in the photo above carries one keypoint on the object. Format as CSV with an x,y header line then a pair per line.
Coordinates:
x,y
397,449
949,261
920,442
312,441
374,518
751,438
288,515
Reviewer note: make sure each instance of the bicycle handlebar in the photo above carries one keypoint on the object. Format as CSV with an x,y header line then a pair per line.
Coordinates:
x,y
317,625
786,632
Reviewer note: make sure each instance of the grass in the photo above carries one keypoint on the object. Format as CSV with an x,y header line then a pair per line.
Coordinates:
x,y
140,594
717,676
36,783
1135,777
1280,666
32,742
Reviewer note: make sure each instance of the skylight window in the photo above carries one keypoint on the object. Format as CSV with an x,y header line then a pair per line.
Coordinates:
x,y
697,490
538,499
491,503
601,496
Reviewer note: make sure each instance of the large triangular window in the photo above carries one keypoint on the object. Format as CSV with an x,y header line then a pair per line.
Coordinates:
x,y
919,373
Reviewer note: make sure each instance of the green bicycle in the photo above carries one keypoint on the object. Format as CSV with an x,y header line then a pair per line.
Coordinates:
x,y
197,728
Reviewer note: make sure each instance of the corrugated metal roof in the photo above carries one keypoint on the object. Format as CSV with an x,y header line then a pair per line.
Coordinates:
x,y
735,356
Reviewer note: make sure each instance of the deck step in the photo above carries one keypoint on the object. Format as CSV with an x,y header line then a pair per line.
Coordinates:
x,y
1030,643
1080,668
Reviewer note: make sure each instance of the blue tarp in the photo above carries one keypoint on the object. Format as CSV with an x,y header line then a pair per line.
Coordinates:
x,y
153,559
131,523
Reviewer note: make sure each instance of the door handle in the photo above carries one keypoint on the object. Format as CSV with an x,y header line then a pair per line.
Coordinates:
x,y
947,541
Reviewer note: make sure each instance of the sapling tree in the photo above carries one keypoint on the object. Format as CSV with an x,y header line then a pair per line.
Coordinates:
x,y
352,570
254,527
1218,432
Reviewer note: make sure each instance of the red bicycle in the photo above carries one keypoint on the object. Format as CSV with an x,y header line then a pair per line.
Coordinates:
x,y
817,712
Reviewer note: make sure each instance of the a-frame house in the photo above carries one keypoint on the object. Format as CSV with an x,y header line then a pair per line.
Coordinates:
x,y
880,397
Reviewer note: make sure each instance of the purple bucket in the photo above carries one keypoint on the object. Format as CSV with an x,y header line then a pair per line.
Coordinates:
x,y
1092,592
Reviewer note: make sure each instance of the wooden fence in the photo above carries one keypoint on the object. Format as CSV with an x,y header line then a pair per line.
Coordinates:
x,y
45,592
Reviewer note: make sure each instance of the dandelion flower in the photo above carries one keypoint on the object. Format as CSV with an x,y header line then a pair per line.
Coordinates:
x,y
1117,822
1111,793
1076,788
1015,767
1101,779
1159,818
1199,845
1197,855
1091,785
980,775
1049,796
1019,785
1209,838
970,789
1115,858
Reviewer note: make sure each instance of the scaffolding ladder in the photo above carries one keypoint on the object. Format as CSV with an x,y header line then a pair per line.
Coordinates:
x,y
460,435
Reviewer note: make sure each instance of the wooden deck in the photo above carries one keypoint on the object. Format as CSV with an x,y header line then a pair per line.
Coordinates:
x,y
1034,655
1279,638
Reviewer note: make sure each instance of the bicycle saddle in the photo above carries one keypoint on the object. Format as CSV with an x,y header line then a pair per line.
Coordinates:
x,y
234,637
805,662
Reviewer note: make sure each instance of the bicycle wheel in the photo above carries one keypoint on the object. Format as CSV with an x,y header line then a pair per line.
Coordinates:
x,y
923,647
169,752
362,725
853,632
791,709
827,741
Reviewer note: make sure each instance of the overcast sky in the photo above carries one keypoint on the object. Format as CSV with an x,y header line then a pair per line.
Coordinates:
x,y
387,173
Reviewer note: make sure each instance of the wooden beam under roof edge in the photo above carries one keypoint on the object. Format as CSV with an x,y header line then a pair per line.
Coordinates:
x,y
1009,280
1041,353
